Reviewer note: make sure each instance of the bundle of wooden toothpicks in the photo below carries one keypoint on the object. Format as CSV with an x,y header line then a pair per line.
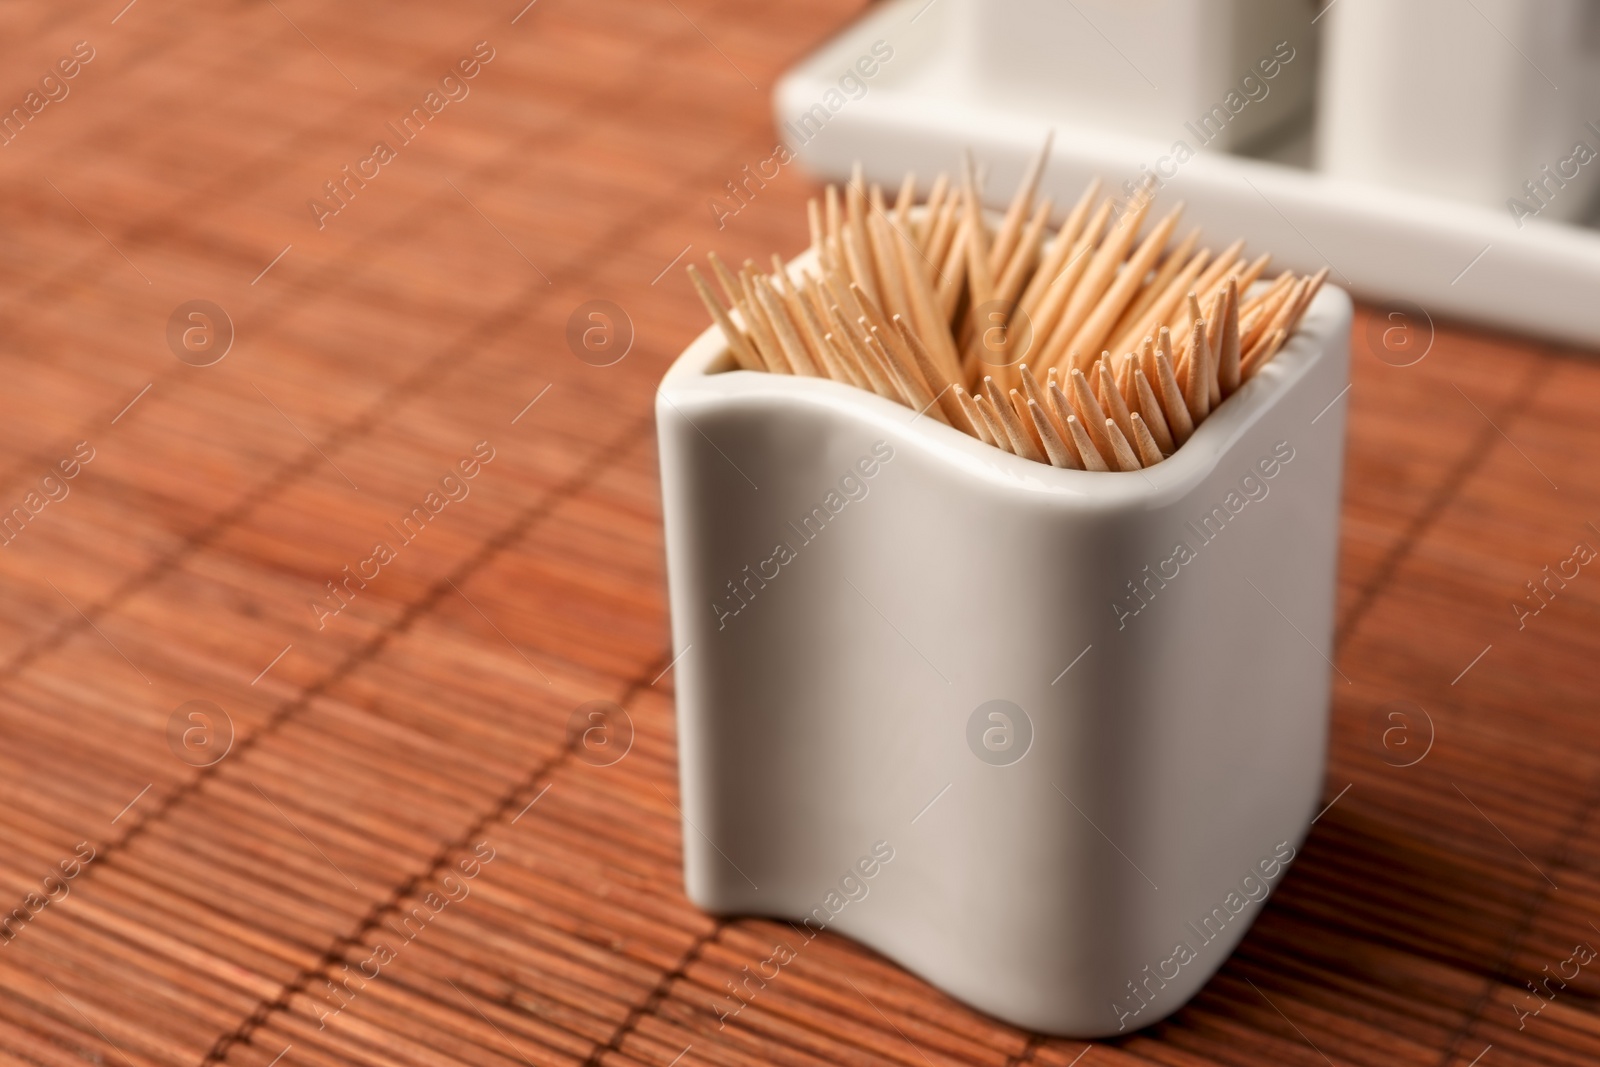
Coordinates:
x,y
1098,349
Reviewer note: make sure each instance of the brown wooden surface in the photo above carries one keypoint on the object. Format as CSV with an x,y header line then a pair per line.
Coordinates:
x,y
376,752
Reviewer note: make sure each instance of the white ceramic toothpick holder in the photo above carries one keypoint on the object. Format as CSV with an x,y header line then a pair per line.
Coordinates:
x,y
1046,738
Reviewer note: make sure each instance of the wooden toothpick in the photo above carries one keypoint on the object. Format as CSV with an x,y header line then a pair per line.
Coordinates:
x,y
1137,337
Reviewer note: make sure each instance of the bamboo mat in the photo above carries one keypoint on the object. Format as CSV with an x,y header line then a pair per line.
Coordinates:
x,y
395,792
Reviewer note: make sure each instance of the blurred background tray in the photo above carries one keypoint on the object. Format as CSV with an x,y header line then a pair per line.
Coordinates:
x,y
1407,250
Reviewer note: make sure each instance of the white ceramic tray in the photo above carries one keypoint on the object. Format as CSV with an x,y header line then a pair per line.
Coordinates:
x,y
1399,249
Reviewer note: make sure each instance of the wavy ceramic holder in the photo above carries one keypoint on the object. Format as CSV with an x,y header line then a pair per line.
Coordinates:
x,y
985,715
